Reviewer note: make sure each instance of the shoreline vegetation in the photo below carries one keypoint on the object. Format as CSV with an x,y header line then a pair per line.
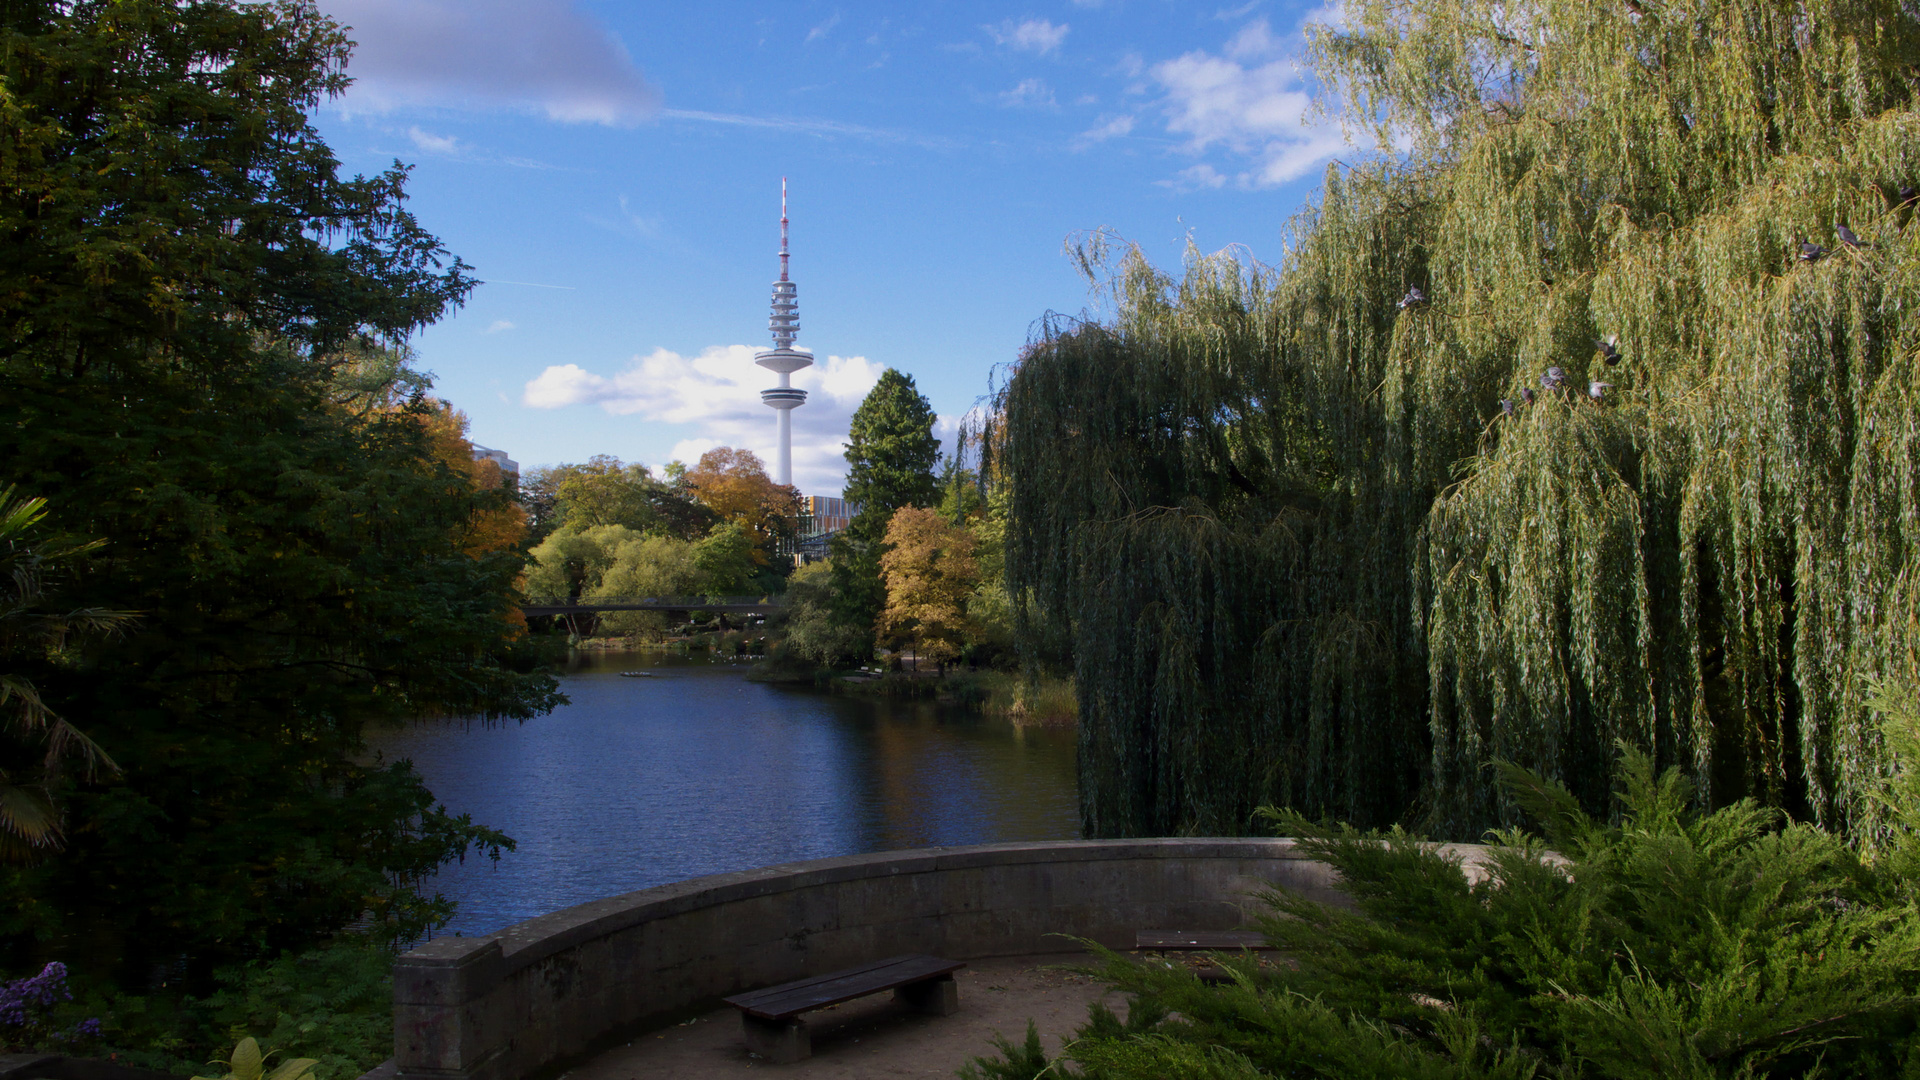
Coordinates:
x,y
1026,701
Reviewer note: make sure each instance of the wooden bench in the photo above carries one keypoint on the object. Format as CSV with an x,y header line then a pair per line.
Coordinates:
x,y
1199,940
771,1017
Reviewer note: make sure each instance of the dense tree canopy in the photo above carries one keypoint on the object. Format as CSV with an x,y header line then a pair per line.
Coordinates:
x,y
734,484
499,526
1584,420
194,312
604,491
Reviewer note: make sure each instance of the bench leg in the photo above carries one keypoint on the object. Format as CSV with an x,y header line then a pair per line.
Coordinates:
x,y
940,996
779,1041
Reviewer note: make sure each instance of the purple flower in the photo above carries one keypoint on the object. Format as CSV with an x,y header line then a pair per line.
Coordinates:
x,y
22,1001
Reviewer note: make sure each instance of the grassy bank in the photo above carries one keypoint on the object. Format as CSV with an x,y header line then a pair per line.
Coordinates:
x,y
1042,702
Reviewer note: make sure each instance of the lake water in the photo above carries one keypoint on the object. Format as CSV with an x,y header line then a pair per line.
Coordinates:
x,y
645,781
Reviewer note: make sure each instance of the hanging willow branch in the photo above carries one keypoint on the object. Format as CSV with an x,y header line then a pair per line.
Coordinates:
x,y
1341,534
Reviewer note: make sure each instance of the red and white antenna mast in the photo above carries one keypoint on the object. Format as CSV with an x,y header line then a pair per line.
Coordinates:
x,y
783,228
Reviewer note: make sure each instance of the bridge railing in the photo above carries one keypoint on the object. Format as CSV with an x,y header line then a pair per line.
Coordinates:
x,y
664,602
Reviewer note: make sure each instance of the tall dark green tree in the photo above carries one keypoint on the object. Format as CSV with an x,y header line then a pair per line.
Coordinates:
x,y
187,291
891,454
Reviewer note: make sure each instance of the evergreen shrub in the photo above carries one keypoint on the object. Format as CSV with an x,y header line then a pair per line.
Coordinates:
x,y
1671,943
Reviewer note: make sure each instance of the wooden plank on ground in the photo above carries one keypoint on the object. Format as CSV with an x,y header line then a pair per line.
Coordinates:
x,y
1178,940
791,999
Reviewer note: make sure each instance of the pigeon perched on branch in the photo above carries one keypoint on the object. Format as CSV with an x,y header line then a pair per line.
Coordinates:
x,y
1553,379
1610,349
1506,406
1847,238
1811,252
1526,395
1414,296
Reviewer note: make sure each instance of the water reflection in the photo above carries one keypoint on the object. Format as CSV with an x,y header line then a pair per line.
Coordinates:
x,y
644,781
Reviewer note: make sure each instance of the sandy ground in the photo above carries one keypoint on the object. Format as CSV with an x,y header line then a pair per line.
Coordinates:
x,y
873,1037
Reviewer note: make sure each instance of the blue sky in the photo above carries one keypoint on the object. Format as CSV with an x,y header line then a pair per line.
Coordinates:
x,y
612,170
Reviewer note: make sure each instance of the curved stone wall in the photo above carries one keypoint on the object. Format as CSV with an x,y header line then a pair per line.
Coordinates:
x,y
551,990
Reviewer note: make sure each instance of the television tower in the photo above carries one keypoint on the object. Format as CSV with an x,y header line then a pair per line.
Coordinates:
x,y
783,357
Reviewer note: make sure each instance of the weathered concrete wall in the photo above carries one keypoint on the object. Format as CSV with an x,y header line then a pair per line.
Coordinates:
x,y
551,989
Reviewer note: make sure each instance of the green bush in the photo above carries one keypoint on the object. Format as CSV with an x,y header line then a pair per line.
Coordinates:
x,y
1674,943
332,1004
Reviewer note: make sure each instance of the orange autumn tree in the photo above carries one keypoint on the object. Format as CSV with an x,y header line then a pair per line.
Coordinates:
x,y
929,571
734,484
495,524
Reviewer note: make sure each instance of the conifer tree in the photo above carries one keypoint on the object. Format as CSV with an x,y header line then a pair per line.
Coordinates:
x,y
1588,417
891,453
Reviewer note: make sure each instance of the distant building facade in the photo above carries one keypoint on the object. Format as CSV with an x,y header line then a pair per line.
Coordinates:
x,y
826,514
821,518
499,457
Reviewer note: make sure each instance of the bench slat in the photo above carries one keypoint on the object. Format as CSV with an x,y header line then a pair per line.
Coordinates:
x,y
1169,940
820,991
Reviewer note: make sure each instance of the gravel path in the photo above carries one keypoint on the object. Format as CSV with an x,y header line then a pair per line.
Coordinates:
x,y
873,1037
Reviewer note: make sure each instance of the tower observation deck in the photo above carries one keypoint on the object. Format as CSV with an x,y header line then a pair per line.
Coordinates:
x,y
783,357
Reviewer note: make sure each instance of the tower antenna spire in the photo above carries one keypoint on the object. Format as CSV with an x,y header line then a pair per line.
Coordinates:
x,y
783,357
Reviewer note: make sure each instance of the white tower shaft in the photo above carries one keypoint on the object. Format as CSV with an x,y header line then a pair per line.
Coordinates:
x,y
784,467
783,357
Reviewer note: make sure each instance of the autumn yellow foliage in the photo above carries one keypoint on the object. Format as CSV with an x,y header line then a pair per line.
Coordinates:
x,y
929,571
494,525
734,484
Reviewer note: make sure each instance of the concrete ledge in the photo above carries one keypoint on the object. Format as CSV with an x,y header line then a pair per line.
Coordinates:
x,y
61,1067
551,990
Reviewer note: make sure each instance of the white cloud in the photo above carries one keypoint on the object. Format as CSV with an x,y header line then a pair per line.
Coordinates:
x,y
431,143
1252,102
541,56
499,325
821,128
1255,41
1108,128
1333,14
1195,178
645,225
1033,35
1030,92
824,28
718,391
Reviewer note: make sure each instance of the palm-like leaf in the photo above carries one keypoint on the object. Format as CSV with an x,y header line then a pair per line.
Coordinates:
x,y
29,818
29,814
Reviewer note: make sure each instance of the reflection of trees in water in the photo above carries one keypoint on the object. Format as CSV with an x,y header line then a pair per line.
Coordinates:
x,y
699,771
942,776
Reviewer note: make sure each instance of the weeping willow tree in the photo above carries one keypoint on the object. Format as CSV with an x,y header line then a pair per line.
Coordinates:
x,y
1573,422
